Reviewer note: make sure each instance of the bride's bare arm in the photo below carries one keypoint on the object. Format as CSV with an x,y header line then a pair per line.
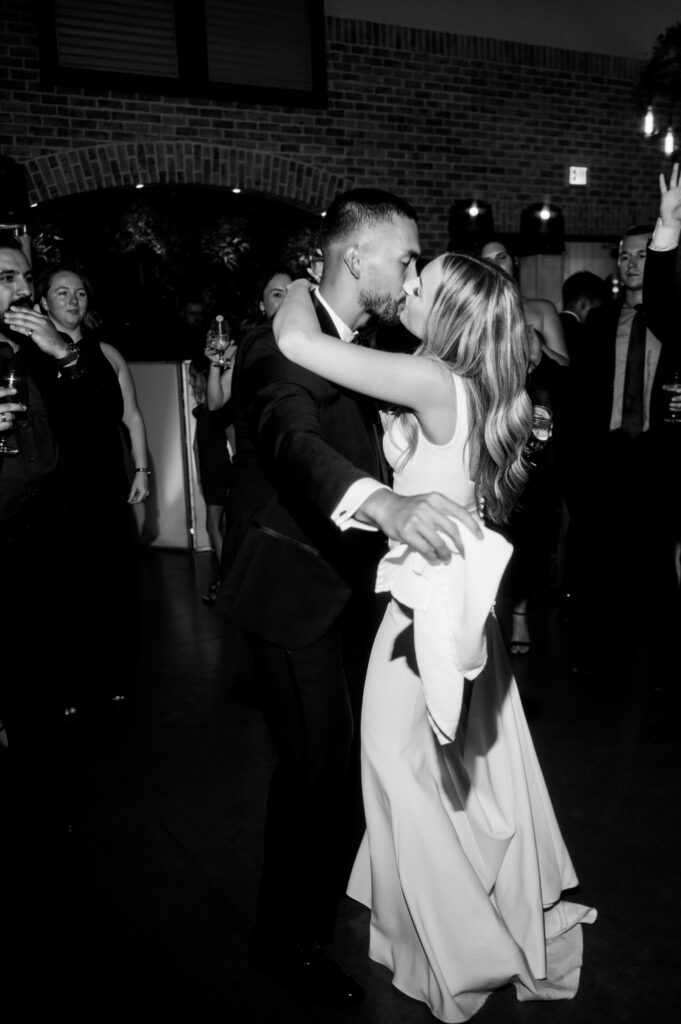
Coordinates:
x,y
415,383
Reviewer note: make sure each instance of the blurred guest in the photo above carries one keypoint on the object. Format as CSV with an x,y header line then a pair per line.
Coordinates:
x,y
581,292
188,333
213,459
536,524
42,629
220,368
539,313
98,493
629,589
274,288
662,301
269,290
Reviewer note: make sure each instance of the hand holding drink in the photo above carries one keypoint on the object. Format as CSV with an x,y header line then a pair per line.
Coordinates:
x,y
219,345
12,404
542,428
672,389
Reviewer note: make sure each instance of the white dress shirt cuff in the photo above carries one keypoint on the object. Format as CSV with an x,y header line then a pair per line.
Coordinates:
x,y
664,238
354,497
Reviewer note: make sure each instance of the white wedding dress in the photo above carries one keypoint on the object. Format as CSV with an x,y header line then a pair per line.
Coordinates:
x,y
462,863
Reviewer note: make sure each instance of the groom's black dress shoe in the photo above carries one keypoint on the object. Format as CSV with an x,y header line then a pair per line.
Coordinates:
x,y
308,973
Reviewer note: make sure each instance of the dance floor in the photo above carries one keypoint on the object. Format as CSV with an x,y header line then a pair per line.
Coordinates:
x,y
143,910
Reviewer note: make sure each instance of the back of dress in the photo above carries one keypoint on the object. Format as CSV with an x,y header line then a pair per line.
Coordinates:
x,y
434,467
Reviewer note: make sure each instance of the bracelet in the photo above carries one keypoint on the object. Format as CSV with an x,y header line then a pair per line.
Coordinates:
x,y
142,469
70,357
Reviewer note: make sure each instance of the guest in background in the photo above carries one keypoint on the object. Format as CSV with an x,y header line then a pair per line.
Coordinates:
x,y
581,292
274,286
218,375
97,494
269,290
630,586
213,459
662,302
65,294
188,335
536,524
539,313
42,628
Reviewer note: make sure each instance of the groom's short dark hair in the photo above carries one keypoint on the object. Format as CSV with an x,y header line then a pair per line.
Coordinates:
x,y
361,206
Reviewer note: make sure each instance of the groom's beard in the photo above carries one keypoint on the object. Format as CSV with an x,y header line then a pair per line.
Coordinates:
x,y
383,306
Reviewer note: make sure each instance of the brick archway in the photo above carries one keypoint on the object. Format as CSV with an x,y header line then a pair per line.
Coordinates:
x,y
113,165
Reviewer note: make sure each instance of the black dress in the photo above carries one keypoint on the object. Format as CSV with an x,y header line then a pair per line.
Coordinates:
x,y
535,525
102,578
214,462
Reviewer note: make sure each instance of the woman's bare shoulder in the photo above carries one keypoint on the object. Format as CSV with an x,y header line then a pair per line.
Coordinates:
x,y
538,310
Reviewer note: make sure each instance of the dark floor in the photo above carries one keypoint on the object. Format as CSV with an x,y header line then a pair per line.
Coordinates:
x,y
144,909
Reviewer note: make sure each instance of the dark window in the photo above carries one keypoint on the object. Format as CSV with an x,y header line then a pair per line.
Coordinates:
x,y
260,50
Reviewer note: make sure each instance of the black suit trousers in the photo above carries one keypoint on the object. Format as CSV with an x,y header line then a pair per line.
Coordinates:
x,y
305,699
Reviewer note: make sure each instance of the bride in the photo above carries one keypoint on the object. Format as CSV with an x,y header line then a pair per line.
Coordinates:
x,y
462,864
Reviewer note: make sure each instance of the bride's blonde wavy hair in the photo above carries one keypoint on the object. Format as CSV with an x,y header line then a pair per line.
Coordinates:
x,y
477,328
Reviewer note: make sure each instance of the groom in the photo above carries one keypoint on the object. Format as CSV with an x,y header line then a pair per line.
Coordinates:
x,y
309,464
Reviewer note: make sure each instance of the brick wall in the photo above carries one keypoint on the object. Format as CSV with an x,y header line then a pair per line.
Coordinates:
x,y
430,115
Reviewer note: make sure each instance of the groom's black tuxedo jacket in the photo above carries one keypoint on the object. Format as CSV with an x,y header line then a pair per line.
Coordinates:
x,y
300,443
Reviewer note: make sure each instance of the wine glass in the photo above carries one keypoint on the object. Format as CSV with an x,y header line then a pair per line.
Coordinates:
x,y
11,378
542,428
218,340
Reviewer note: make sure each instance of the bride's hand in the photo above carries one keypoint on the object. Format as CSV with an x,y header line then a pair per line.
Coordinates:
x,y
300,286
296,310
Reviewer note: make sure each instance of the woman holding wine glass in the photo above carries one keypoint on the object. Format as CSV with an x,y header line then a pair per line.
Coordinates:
x,y
65,294
98,492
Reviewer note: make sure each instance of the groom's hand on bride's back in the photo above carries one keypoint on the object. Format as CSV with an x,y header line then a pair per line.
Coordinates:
x,y
420,521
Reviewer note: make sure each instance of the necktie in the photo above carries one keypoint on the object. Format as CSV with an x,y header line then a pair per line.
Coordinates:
x,y
632,404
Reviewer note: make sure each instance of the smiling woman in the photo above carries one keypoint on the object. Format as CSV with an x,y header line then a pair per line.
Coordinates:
x,y
66,301
99,534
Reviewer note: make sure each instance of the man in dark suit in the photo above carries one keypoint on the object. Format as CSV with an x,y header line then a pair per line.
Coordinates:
x,y
308,465
662,301
581,293
629,348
